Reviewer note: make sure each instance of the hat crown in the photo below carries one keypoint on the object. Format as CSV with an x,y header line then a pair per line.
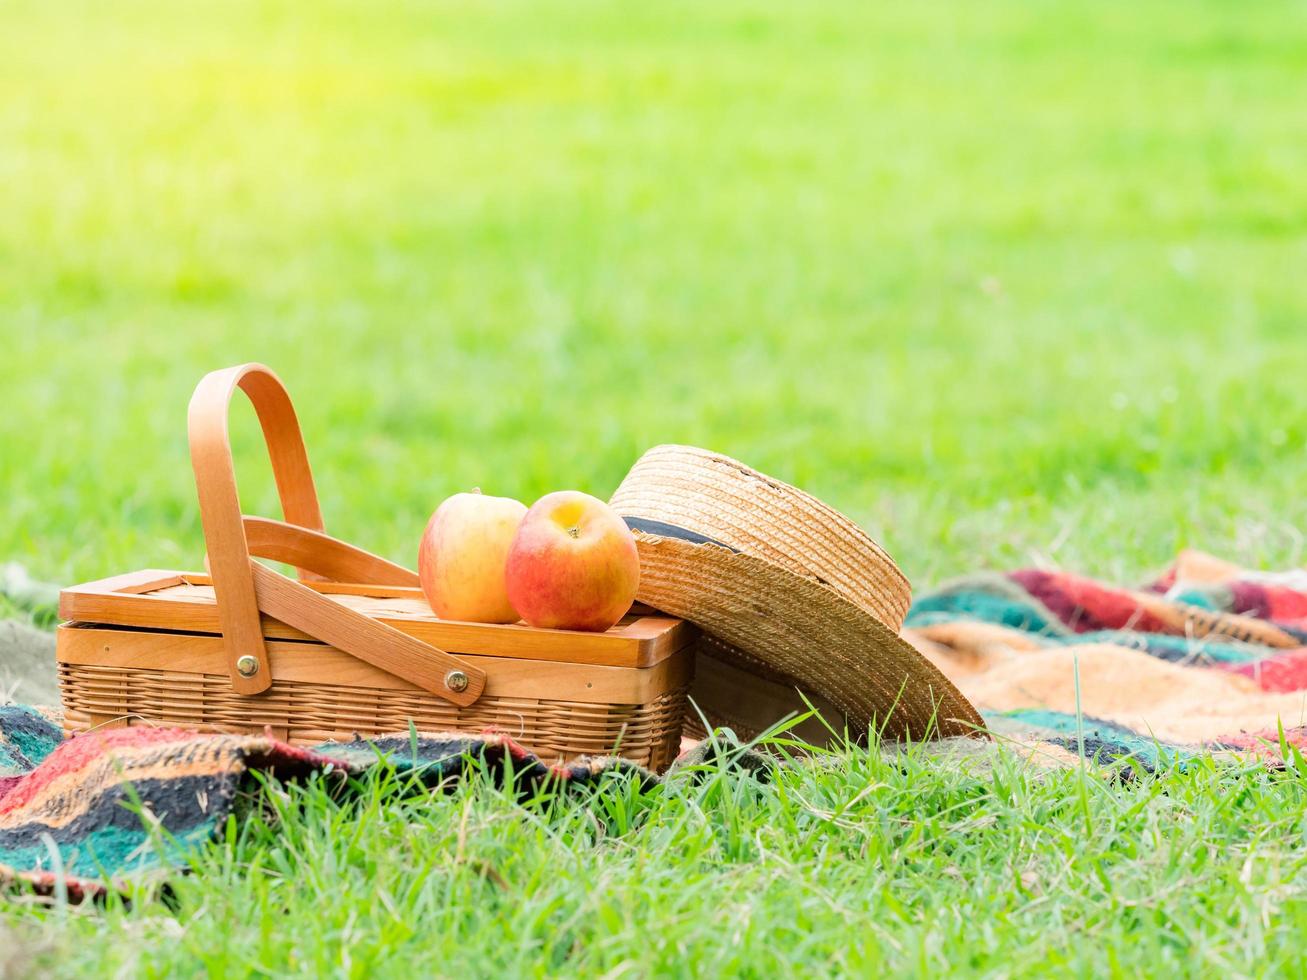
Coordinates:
x,y
721,498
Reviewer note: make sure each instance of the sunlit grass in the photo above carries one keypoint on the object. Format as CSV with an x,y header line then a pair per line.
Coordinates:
x,y
1005,283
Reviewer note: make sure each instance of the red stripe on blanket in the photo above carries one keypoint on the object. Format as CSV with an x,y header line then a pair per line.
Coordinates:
x,y
77,753
1266,744
1280,673
7,783
1086,606
1273,602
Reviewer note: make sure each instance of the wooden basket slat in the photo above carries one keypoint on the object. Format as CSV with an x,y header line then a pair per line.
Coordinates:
x,y
310,663
183,602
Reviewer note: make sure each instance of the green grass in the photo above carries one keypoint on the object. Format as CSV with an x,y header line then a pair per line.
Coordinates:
x,y
1006,282
864,866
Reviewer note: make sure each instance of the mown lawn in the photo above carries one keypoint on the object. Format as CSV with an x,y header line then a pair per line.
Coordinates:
x,y
1006,282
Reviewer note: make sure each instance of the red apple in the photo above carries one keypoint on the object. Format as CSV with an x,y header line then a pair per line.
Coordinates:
x,y
461,559
573,564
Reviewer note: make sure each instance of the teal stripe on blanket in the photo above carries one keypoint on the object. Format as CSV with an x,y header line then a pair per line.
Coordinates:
x,y
1104,741
952,607
1173,648
26,738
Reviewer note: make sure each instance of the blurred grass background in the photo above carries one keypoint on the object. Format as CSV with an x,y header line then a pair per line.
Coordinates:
x,y
1007,282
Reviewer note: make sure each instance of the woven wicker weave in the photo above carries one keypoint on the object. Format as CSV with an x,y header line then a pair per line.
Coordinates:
x,y
308,714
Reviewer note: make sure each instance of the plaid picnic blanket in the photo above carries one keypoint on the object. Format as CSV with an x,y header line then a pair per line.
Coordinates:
x,y
81,815
1209,658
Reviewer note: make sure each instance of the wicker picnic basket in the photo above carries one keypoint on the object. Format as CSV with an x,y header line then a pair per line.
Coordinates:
x,y
352,646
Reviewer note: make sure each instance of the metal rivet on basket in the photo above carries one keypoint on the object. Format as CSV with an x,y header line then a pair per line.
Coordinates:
x,y
247,666
456,681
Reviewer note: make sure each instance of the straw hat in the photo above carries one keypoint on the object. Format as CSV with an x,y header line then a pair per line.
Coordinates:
x,y
789,591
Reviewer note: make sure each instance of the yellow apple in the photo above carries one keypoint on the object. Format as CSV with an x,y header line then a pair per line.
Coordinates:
x,y
462,556
573,564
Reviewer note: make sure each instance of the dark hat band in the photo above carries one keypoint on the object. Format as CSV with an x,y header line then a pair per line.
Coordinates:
x,y
665,530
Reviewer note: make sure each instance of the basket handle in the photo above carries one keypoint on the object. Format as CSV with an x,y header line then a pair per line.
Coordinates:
x,y
243,587
321,555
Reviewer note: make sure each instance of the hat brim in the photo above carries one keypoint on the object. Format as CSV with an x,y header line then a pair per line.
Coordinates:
x,y
794,630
